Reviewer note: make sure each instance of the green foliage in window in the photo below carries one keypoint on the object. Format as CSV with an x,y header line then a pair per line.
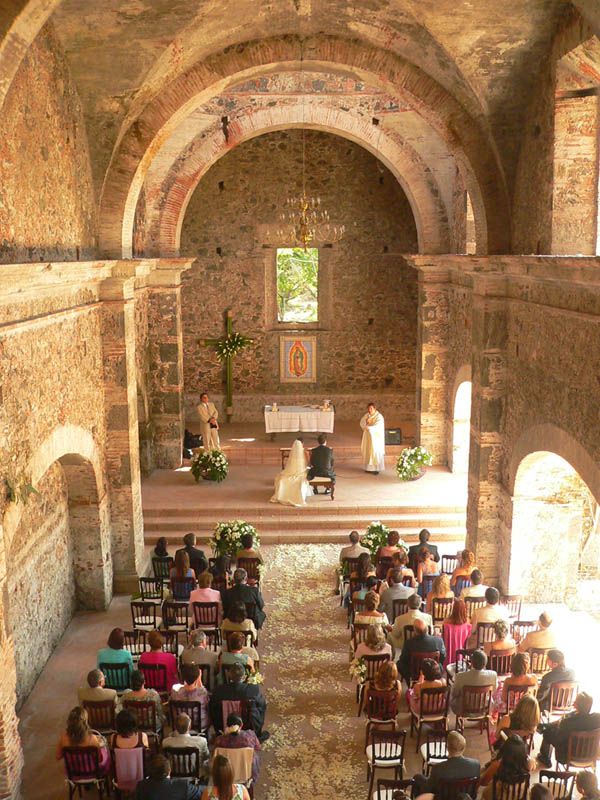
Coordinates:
x,y
297,284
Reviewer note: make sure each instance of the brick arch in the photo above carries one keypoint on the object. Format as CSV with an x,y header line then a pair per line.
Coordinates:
x,y
167,211
467,138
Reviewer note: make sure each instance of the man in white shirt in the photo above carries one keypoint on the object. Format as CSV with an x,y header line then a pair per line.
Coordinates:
x,y
477,587
396,591
209,427
353,550
181,737
198,653
396,635
478,675
491,612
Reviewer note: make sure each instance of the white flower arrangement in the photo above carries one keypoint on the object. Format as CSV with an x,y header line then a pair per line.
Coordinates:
x,y
230,345
212,465
376,536
411,462
358,670
227,537
255,678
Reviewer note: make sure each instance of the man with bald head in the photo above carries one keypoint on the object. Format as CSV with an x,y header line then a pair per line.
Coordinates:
x,y
421,642
455,768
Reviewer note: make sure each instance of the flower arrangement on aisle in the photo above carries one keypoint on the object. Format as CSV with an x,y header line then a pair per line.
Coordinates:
x,y
211,465
411,463
255,678
227,537
358,670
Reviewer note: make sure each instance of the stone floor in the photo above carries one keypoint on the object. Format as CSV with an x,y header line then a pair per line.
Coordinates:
x,y
317,741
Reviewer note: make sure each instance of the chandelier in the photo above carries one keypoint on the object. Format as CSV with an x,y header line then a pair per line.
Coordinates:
x,y
303,219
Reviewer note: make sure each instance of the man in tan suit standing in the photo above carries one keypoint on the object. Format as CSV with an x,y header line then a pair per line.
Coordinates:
x,y
209,427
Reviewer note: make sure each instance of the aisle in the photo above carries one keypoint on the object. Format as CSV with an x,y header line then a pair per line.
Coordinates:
x,y
315,750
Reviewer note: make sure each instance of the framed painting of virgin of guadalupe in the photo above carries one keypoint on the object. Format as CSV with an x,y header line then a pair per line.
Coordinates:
x,y
297,359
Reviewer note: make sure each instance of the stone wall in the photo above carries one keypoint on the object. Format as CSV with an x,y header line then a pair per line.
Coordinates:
x,y
43,137
366,333
41,585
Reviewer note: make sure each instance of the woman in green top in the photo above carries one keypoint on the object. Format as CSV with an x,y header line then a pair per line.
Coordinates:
x,y
115,653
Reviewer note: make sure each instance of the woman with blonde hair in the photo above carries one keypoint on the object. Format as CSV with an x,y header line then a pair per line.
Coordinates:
x,y
79,734
503,641
374,644
439,589
386,679
523,720
465,567
371,615
519,675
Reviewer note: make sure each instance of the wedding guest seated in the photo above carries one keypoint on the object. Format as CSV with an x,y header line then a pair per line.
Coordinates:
x,y
181,568
477,675
545,636
248,550
364,568
160,550
236,620
388,550
127,736
221,572
396,635
196,652
193,691
139,694
115,653
477,587
354,549
236,689
426,565
96,691
523,720
156,656
400,561
422,642
197,558
491,612
424,541
374,644
235,653
540,791
181,737
159,786
510,764
395,591
440,588
587,785
234,737
519,675
466,565
240,592
370,614
205,594
223,787
386,679
455,630
429,678
503,640
556,734
455,768
558,673
79,734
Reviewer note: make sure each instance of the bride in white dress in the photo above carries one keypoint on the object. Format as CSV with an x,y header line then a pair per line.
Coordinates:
x,y
291,486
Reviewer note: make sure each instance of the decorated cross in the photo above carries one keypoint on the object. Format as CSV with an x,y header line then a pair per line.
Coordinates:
x,y
226,348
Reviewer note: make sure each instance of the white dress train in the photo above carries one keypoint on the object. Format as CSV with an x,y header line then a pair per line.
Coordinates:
x,y
373,442
291,486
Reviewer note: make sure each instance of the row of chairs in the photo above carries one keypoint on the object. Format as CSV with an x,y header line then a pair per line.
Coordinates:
x,y
161,569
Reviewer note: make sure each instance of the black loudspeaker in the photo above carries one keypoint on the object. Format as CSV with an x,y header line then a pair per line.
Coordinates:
x,y
393,436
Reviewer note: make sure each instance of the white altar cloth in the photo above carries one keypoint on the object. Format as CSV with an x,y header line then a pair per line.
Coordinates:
x,y
297,419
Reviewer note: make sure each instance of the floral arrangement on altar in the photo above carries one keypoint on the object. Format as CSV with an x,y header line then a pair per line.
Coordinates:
x,y
211,465
358,670
227,538
411,463
376,537
232,344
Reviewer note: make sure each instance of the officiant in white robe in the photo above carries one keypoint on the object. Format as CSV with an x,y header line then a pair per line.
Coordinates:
x,y
291,486
373,440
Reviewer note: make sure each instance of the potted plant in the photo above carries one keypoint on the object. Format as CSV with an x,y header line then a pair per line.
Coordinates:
x,y
227,537
210,465
412,462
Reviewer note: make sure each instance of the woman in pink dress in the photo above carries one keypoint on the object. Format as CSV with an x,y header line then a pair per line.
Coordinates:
x,y
205,594
156,656
456,630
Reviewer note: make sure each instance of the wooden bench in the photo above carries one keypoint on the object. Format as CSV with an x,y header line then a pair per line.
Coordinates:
x,y
326,482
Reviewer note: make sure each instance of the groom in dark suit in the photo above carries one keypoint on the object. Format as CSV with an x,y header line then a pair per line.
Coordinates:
x,y
321,462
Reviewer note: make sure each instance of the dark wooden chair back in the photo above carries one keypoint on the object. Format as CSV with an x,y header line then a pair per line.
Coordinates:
x,y
252,567
101,715
213,639
384,564
583,749
512,603
433,702
475,701
407,581
449,564
82,763
144,713
409,632
462,582
155,677
356,607
248,638
170,642
436,749
500,661
206,615
143,613
185,762
463,659
473,603
161,567
539,660
152,589
416,662
451,790
359,633
485,633
427,584
386,788
399,607
116,676
515,790
520,628
513,695
562,696
176,614
389,746
243,709
441,608
135,642
349,565
373,664
193,708
561,784
355,585
181,588
219,583
381,704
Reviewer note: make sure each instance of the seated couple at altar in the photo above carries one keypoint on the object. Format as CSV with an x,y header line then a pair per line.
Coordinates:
x,y
291,485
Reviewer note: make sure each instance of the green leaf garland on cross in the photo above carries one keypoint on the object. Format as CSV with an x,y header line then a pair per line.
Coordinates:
x,y
226,348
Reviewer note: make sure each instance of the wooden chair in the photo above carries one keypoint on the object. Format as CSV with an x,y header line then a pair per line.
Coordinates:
x,y
243,709
82,766
385,751
561,784
416,662
213,639
409,632
520,628
408,581
512,603
206,616
399,607
434,751
561,698
252,567
500,661
359,633
135,642
155,677
449,564
143,615
583,750
433,710
463,659
349,566
116,676
176,616
145,715
181,588
101,715
251,614
170,642
451,790
513,695
441,608
515,790
539,660
161,567
248,638
462,582
193,708
185,762
381,708
475,708
355,607
427,584
384,564
473,603
152,590
372,663
386,788
485,634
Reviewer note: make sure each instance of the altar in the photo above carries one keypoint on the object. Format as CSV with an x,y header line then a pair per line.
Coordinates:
x,y
298,419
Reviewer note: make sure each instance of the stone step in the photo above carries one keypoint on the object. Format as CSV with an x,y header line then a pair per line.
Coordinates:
x,y
325,509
